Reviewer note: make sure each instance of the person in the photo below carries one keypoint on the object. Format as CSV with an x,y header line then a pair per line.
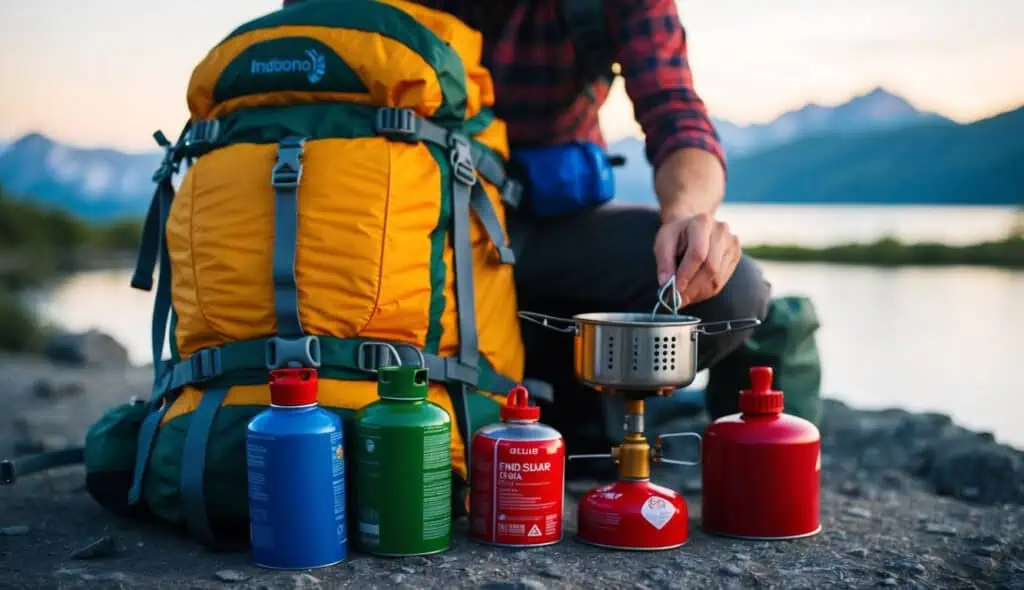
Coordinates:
x,y
613,257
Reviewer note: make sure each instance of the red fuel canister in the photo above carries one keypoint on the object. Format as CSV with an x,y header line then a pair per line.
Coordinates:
x,y
761,469
518,478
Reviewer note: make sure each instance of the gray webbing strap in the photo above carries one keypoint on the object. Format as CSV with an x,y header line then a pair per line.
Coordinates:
x,y
463,181
11,469
404,124
193,466
144,447
592,43
285,180
485,212
152,248
480,161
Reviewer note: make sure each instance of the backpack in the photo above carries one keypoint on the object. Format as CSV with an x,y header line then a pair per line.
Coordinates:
x,y
343,208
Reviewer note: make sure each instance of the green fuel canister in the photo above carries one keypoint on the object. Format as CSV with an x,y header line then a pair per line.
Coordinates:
x,y
403,468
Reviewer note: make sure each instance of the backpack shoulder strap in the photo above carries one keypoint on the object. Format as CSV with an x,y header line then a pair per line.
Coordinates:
x,y
589,34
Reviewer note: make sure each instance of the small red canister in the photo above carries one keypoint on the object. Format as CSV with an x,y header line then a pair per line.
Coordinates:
x,y
761,469
518,479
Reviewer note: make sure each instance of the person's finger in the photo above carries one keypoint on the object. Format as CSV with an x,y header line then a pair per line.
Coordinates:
x,y
666,245
696,243
708,280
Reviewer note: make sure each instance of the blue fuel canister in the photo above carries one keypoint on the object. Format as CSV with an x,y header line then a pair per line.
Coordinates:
x,y
296,470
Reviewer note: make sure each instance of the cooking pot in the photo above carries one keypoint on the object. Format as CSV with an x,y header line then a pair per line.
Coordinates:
x,y
636,351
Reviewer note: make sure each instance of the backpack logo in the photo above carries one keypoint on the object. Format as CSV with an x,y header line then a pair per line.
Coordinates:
x,y
314,66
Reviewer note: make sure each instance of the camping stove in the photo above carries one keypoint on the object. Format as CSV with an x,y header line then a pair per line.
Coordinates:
x,y
633,513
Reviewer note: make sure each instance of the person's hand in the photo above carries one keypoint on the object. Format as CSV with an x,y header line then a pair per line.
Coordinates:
x,y
710,253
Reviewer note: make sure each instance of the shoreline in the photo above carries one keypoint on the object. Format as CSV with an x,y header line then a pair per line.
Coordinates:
x,y
908,500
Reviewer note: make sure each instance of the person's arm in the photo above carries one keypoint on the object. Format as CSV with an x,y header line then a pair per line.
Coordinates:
x,y
682,147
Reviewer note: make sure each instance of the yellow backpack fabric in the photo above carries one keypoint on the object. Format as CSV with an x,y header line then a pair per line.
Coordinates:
x,y
344,208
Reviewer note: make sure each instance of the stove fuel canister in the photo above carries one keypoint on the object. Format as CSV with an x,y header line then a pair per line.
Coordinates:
x,y
761,469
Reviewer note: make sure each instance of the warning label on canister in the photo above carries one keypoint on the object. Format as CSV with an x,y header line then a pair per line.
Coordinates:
x,y
517,489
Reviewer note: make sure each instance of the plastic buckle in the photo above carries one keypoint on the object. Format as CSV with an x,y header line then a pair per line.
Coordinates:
x,y
169,166
396,123
461,158
7,473
301,352
202,134
371,356
288,169
207,365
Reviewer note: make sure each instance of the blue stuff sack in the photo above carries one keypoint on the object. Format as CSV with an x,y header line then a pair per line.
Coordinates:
x,y
562,179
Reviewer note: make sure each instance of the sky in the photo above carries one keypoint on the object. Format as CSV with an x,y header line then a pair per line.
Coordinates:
x,y
110,72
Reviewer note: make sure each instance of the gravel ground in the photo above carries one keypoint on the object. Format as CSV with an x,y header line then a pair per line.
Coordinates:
x,y
908,501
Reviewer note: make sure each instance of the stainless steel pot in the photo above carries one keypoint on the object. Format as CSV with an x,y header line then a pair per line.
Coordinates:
x,y
636,351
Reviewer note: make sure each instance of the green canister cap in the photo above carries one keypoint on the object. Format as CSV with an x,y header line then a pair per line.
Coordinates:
x,y
405,383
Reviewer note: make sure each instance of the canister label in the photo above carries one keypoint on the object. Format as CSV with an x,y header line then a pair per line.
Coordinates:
x,y
404,489
296,493
517,491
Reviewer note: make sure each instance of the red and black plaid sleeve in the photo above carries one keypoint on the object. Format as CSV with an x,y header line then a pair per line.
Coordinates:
x,y
651,48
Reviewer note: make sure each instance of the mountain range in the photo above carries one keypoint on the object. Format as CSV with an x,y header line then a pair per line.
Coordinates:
x,y
875,148
872,111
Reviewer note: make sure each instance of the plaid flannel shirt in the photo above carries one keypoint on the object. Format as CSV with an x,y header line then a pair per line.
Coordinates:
x,y
540,96
539,93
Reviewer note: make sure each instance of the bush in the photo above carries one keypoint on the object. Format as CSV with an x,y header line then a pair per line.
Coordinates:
x,y
38,242
20,330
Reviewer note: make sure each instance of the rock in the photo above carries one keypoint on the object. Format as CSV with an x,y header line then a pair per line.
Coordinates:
x,y
50,389
987,550
977,563
523,584
857,512
103,547
407,569
987,473
231,576
911,568
890,581
397,578
940,529
858,552
731,569
849,488
91,348
15,530
305,582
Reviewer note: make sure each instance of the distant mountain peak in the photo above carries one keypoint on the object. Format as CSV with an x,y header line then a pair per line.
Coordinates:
x,y
93,182
875,109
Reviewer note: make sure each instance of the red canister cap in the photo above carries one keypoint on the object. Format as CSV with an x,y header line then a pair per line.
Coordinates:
x,y
761,398
293,387
517,406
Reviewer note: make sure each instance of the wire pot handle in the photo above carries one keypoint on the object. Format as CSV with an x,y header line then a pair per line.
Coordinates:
x,y
566,327
674,304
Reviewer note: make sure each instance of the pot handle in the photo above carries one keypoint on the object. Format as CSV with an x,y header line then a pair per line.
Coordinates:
x,y
659,455
540,319
716,328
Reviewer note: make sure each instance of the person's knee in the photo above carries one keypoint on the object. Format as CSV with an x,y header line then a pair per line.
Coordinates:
x,y
746,295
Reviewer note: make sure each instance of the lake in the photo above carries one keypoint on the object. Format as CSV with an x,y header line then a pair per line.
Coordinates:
x,y
938,339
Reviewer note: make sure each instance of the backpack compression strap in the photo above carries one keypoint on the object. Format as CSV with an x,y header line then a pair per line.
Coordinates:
x,y
590,38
